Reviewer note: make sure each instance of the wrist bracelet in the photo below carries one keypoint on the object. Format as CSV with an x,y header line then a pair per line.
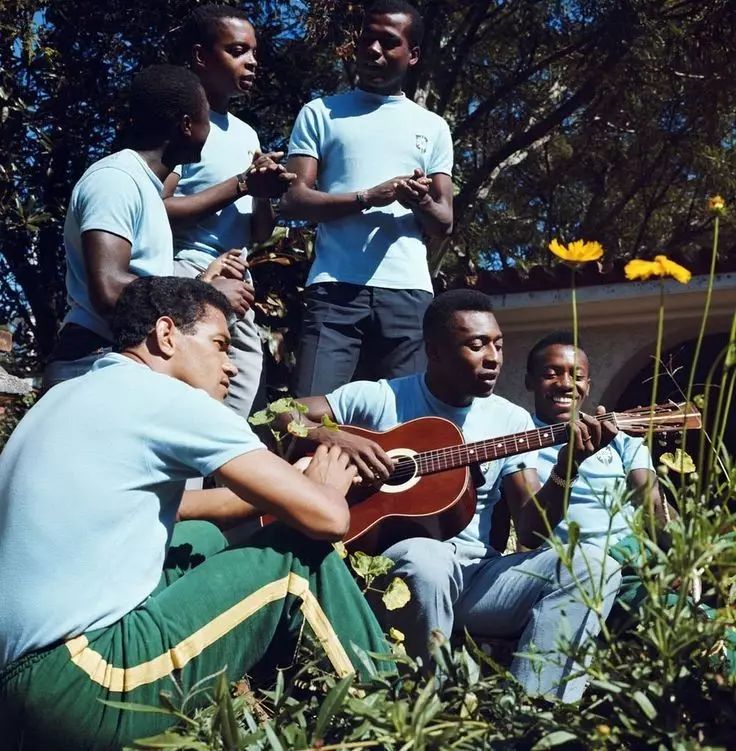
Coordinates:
x,y
561,481
362,200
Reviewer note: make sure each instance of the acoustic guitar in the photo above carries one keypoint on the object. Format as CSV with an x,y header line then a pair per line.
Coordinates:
x,y
430,492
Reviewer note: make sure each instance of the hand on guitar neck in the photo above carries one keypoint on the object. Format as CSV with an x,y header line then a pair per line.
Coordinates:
x,y
537,509
588,435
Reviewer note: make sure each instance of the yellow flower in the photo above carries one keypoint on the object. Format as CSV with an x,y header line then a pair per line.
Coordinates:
x,y
670,268
716,205
680,462
660,266
578,251
638,269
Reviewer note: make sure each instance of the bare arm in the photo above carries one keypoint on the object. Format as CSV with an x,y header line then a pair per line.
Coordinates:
x,y
219,505
537,509
313,502
430,198
304,201
190,209
262,221
107,262
265,178
370,459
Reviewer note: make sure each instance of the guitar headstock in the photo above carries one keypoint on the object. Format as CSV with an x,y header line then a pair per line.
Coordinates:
x,y
661,418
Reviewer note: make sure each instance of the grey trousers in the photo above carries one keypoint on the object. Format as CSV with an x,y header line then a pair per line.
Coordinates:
x,y
246,351
352,332
526,595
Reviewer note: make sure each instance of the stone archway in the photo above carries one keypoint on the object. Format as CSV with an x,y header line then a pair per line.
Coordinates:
x,y
678,360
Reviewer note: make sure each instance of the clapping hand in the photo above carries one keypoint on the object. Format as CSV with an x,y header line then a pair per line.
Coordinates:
x,y
414,191
266,177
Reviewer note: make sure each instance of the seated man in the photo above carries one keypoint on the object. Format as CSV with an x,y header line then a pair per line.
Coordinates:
x,y
465,582
559,378
91,483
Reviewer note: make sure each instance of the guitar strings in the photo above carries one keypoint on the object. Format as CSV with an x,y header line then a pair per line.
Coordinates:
x,y
436,460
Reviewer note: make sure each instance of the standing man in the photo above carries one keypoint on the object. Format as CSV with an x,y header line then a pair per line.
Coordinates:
x,y
466,582
116,227
374,172
220,205
91,483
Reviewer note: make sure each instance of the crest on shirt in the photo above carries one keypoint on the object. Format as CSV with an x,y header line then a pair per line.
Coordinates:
x,y
605,455
421,142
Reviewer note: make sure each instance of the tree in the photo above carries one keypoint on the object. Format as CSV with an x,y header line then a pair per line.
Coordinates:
x,y
609,119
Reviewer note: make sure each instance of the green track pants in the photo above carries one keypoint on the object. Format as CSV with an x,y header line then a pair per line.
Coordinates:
x,y
241,608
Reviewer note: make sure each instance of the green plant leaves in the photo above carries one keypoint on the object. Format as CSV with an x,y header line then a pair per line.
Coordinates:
x,y
397,594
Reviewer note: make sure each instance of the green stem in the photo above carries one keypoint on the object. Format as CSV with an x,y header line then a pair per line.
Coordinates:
x,y
655,388
568,468
706,312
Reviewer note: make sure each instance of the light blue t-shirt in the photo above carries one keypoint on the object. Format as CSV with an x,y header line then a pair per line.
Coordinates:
x,y
598,495
121,195
384,404
228,151
90,483
361,140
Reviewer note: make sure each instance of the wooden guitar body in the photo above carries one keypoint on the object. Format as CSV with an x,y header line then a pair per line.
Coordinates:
x,y
430,493
437,505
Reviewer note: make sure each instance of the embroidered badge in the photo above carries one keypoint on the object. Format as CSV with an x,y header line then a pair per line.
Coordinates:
x,y
605,455
421,142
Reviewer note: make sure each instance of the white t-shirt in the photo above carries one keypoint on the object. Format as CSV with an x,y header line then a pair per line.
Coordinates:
x,y
229,150
121,195
384,404
90,483
598,501
361,140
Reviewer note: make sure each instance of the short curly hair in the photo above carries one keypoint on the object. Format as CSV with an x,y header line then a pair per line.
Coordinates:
x,y
438,314
565,338
148,298
202,26
159,97
416,22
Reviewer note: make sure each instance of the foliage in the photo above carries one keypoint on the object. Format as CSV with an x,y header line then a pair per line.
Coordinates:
x,y
607,119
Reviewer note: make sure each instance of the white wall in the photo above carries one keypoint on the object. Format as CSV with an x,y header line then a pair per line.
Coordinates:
x,y
618,327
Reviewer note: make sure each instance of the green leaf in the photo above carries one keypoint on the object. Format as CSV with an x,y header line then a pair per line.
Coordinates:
x,y
329,423
680,462
172,740
262,417
298,428
645,705
333,701
133,707
397,594
225,716
557,738
273,739
285,404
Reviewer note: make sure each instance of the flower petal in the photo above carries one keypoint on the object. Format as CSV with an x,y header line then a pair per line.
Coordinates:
x,y
670,268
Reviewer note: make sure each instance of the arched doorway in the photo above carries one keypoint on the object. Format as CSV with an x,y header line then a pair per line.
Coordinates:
x,y
673,379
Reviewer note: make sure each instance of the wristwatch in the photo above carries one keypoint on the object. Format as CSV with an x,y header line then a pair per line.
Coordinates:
x,y
361,200
242,179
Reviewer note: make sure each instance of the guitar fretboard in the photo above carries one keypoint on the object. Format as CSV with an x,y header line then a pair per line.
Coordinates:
x,y
454,457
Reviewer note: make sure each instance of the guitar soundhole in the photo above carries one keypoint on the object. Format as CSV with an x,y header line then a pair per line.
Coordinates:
x,y
404,470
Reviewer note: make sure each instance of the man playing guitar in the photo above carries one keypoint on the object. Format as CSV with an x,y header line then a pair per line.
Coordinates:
x,y
465,582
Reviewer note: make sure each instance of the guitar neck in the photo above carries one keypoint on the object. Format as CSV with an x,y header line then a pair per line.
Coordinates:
x,y
454,457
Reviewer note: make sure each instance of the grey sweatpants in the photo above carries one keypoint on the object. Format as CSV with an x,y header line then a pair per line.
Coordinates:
x,y
245,351
526,595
